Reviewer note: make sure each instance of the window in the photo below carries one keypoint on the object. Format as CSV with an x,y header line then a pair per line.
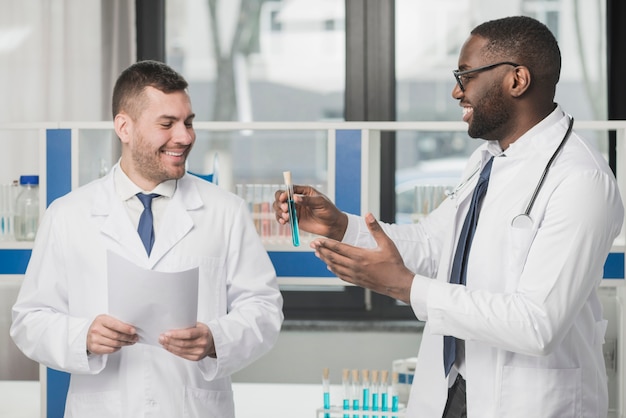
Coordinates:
x,y
287,60
425,82
546,11
281,61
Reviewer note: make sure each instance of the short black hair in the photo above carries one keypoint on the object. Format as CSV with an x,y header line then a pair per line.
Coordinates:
x,y
527,42
129,87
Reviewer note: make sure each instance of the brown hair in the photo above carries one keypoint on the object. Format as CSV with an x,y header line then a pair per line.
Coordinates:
x,y
130,85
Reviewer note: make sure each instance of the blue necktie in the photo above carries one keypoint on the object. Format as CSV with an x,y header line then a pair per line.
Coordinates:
x,y
145,228
457,275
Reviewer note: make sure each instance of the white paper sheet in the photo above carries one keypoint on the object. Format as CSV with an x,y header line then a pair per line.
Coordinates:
x,y
152,301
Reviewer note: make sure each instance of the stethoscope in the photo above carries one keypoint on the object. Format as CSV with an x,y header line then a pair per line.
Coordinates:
x,y
524,220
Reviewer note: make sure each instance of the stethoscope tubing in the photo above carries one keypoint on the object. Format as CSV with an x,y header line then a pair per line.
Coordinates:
x,y
548,165
523,220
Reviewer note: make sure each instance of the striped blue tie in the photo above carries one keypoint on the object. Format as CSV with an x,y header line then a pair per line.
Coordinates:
x,y
457,275
146,228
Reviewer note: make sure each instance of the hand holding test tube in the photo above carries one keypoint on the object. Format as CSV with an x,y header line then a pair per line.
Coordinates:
x,y
293,217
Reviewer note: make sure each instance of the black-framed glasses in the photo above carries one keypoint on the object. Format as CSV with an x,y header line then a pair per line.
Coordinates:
x,y
460,74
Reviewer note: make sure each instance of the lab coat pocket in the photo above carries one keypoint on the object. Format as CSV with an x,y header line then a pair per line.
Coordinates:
x,y
520,242
546,393
208,403
93,404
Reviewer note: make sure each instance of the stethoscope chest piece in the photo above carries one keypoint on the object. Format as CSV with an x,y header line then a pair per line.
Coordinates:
x,y
522,221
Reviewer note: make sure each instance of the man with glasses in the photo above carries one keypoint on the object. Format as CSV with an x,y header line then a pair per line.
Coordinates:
x,y
514,324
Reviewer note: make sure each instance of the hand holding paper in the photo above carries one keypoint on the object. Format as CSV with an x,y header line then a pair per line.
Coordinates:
x,y
191,343
107,335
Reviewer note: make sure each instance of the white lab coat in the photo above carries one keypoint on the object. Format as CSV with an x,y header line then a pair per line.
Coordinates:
x,y
530,314
65,288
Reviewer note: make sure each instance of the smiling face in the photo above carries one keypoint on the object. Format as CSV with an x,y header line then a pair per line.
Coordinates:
x,y
487,114
157,140
486,107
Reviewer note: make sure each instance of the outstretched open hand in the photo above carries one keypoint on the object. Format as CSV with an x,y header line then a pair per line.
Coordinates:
x,y
380,269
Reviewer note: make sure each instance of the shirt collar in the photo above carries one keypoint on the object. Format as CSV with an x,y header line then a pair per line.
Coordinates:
x,y
126,189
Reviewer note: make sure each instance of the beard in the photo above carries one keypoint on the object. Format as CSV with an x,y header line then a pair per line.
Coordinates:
x,y
490,115
149,162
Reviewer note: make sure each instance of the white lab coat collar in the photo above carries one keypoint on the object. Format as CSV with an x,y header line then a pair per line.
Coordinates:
x,y
543,137
118,225
532,150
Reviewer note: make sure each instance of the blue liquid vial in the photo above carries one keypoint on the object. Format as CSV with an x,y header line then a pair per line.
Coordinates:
x,y
293,223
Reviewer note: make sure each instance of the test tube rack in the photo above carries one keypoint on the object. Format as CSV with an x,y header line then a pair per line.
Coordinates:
x,y
364,395
339,412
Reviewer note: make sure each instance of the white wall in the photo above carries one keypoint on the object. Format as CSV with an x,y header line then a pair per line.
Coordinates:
x,y
300,356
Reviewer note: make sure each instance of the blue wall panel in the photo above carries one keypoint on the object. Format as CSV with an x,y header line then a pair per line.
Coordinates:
x,y
59,176
298,264
58,384
58,162
614,266
348,171
14,261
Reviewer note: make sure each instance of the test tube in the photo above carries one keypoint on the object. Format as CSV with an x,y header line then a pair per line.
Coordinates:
x,y
276,228
293,218
345,381
384,403
375,391
250,196
356,389
4,211
8,194
365,385
266,215
326,389
394,393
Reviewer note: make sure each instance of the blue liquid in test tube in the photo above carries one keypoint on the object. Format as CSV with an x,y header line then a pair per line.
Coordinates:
x,y
365,385
375,388
326,403
293,223
356,386
293,216
326,388
345,381
394,394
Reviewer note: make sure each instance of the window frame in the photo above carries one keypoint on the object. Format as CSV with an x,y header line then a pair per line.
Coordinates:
x,y
370,95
